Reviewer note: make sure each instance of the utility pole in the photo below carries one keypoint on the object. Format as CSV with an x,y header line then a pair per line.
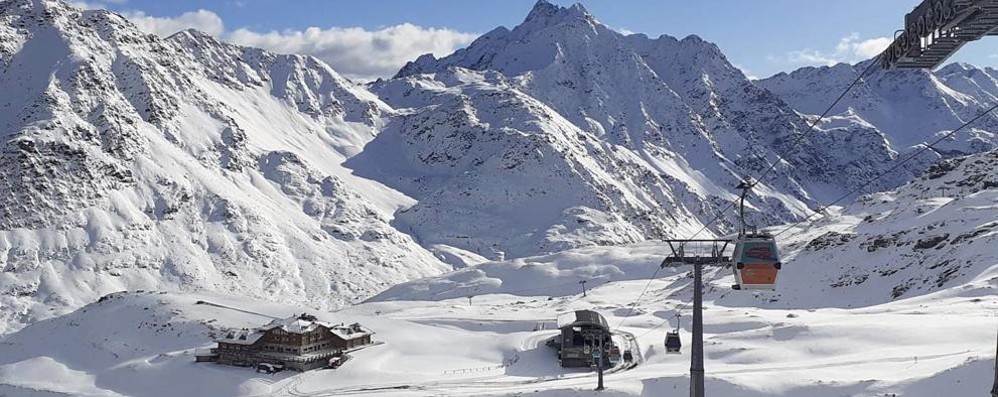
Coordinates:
x,y
469,299
583,282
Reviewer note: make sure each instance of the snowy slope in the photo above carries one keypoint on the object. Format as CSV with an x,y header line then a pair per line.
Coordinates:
x,y
182,164
665,97
142,343
933,235
501,174
674,110
908,107
838,324
936,233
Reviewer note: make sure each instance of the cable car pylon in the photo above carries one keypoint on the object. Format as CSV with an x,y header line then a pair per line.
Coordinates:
x,y
755,261
697,253
994,389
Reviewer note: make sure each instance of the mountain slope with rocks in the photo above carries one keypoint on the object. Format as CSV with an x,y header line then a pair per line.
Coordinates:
x,y
908,107
673,110
188,164
130,161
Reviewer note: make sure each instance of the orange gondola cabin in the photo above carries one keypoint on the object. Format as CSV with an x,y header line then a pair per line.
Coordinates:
x,y
756,262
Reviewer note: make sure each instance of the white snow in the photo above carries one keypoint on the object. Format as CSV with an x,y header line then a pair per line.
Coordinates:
x,y
464,200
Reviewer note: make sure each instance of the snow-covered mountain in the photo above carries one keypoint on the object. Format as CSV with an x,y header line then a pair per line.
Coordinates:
x,y
500,173
674,112
936,233
906,107
933,235
130,161
186,164
233,185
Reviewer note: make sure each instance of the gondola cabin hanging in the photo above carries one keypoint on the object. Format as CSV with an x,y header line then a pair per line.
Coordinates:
x,y
673,345
756,262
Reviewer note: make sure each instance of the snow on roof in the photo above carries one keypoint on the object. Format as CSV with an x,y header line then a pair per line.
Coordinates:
x,y
304,323
582,317
297,324
348,332
242,338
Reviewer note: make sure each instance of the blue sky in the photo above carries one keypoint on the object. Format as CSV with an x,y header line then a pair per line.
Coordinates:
x,y
368,39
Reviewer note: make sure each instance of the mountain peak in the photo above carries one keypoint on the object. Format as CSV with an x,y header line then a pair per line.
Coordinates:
x,y
33,6
545,13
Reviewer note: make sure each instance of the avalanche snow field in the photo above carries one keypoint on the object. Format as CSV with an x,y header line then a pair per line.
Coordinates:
x,y
757,344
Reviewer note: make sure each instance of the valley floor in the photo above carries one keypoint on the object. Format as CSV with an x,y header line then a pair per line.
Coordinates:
x,y
142,344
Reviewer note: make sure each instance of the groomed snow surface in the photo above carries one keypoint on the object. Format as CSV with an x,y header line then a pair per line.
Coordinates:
x,y
175,167
760,344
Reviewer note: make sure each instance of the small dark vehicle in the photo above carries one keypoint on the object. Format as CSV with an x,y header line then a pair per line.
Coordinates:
x,y
268,368
336,362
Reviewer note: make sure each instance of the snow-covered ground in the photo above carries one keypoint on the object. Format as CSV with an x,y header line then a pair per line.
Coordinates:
x,y
141,344
267,185
894,294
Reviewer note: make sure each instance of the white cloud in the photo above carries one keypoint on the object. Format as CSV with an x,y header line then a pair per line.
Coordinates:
x,y
849,49
95,5
356,52
203,20
86,5
748,74
864,49
811,57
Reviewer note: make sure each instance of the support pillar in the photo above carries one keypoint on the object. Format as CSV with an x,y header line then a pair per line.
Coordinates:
x,y
696,359
994,389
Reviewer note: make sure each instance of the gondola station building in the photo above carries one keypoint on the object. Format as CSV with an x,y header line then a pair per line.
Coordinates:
x,y
299,343
581,332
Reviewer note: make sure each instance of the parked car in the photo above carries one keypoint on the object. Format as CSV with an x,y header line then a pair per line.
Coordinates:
x,y
337,361
268,368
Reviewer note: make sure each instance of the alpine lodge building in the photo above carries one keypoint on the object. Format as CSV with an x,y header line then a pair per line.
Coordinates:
x,y
299,343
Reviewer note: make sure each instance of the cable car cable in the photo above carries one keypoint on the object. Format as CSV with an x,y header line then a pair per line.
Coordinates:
x,y
635,303
772,166
895,167
800,138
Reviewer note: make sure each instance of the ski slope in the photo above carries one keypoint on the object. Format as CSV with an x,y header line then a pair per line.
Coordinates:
x,y
838,325
142,344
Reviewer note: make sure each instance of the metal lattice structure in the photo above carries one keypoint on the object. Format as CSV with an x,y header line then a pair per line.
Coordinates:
x,y
937,29
697,253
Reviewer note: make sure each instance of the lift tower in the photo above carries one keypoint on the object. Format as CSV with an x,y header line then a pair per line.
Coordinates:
x,y
937,29
698,253
994,389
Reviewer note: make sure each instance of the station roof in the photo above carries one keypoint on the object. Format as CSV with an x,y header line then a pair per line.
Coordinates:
x,y
582,317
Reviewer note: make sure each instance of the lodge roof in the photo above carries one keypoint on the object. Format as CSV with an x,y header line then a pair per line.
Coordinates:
x,y
297,324
242,338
